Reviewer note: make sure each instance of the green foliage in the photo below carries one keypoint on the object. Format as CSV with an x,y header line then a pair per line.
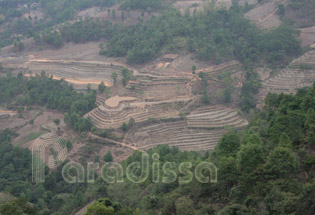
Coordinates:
x,y
108,156
42,90
184,206
249,90
131,122
234,209
19,45
304,9
249,157
68,144
229,144
114,76
99,209
101,87
126,76
143,4
281,161
57,121
124,126
193,68
231,37
17,207
205,97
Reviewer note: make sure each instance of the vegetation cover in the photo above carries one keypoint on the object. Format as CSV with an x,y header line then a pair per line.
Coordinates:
x,y
268,168
54,94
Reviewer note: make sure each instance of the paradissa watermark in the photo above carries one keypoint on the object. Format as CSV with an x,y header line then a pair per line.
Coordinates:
x,y
135,172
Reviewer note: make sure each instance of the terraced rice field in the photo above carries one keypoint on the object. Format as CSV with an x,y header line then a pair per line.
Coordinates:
x,y
300,73
174,134
160,89
76,72
11,123
215,117
308,60
106,118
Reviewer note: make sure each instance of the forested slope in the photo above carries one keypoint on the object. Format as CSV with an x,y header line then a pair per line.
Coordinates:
x,y
265,169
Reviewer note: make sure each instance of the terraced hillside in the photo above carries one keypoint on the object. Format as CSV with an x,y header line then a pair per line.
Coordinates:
x,y
265,15
160,89
106,118
215,117
174,134
76,72
300,73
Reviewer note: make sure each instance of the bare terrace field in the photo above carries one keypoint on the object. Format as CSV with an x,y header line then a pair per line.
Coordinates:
x,y
299,74
174,134
265,15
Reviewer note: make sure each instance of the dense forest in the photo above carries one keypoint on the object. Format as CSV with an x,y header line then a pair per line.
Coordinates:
x,y
53,94
267,168
54,12
217,36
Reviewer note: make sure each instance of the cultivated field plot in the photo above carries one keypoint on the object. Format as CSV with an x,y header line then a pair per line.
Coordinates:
x,y
12,119
160,90
79,73
301,73
307,36
8,121
215,117
265,16
106,118
182,5
174,134
306,61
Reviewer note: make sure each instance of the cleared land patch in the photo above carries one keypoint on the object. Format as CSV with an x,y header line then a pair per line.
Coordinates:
x,y
265,16
300,73
307,35
114,101
174,134
215,117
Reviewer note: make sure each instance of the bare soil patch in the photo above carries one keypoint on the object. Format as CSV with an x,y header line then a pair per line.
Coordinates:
x,y
265,16
307,35
114,101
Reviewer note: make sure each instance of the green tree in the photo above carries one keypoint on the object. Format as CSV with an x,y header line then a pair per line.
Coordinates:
x,y
57,121
108,156
229,144
131,122
249,157
114,14
205,97
122,16
285,141
114,77
193,68
184,206
98,208
124,126
101,87
68,144
281,161
17,207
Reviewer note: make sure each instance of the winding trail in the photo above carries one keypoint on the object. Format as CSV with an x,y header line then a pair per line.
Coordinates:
x,y
115,142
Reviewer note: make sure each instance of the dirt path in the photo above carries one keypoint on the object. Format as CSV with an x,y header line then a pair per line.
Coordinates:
x,y
115,142
269,15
